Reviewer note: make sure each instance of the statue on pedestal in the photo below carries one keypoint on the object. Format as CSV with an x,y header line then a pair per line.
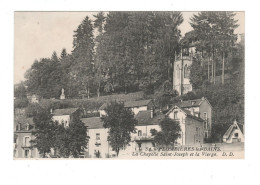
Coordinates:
x,y
62,96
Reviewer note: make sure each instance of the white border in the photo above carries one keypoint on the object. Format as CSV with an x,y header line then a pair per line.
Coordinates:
x,y
121,171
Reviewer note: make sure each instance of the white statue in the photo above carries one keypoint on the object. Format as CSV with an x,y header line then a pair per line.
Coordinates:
x,y
62,96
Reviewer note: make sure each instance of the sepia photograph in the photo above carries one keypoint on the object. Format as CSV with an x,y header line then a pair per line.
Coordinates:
x,y
129,85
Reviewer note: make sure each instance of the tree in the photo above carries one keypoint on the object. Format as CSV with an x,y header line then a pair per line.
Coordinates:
x,y
121,123
215,35
83,53
71,141
49,134
20,91
63,53
196,73
170,132
44,132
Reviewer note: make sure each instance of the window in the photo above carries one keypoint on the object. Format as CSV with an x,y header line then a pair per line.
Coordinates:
x,y
205,125
186,71
206,134
205,116
97,136
139,133
236,134
27,141
26,153
27,126
175,115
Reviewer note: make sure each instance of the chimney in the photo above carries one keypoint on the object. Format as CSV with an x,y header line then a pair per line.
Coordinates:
x,y
167,107
51,111
151,112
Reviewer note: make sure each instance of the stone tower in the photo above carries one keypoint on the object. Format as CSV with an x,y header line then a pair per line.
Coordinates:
x,y
181,71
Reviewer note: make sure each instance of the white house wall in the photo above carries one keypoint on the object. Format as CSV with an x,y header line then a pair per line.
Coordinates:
x,y
181,117
63,118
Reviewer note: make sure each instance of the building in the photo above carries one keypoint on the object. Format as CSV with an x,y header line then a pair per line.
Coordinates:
x,y
22,146
135,106
181,71
98,146
191,126
200,108
66,116
234,134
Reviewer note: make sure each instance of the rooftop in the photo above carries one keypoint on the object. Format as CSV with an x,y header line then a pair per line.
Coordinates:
x,y
93,123
23,121
130,104
144,118
190,103
60,112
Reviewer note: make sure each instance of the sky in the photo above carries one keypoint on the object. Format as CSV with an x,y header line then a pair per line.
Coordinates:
x,y
38,34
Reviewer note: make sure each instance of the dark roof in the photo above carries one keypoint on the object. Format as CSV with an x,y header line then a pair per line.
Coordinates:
x,y
93,123
190,103
130,104
189,114
23,121
137,103
144,118
60,112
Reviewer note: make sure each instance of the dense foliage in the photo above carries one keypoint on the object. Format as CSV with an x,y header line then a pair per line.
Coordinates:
x,y
65,142
131,51
170,132
121,123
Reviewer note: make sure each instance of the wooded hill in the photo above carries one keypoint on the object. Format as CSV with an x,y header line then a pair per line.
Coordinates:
x,y
127,52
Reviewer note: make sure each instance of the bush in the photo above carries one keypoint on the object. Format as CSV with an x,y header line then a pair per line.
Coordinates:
x,y
21,103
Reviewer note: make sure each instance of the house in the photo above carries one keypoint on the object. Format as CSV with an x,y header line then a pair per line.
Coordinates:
x,y
98,146
234,134
142,140
22,146
200,108
66,116
192,128
135,106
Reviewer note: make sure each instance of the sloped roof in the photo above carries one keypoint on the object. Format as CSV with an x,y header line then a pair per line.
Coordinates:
x,y
144,118
190,103
60,112
93,123
230,129
186,112
137,103
23,121
130,104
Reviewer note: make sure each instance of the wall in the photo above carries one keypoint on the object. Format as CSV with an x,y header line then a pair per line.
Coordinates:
x,y
191,137
62,118
33,153
232,135
205,107
103,148
135,110
178,73
181,117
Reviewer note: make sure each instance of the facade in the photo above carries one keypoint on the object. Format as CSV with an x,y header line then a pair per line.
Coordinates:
x,y
22,147
234,134
200,108
181,71
191,126
65,116
135,106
